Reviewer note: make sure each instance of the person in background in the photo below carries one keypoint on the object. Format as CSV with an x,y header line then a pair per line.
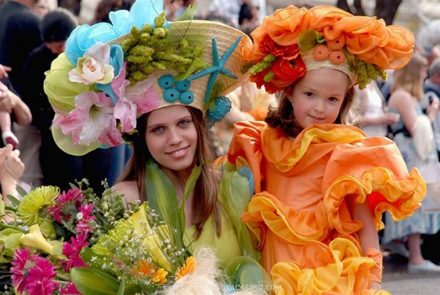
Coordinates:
x,y
414,136
248,18
41,150
320,183
175,8
226,8
373,115
105,6
41,8
431,88
19,35
18,109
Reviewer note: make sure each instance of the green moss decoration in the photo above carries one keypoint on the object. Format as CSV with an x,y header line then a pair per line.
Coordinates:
x,y
149,49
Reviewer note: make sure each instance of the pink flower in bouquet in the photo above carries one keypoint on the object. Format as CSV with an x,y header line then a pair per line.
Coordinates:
x,y
84,221
69,289
32,273
67,205
41,278
71,251
19,268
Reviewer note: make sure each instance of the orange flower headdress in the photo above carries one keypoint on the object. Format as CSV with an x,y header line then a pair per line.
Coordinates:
x,y
294,40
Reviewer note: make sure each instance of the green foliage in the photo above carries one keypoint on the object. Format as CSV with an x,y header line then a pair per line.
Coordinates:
x,y
264,64
308,40
365,72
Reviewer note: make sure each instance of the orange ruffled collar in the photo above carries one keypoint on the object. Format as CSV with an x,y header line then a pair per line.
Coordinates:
x,y
284,153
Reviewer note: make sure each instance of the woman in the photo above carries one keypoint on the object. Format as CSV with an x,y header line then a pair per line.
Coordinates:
x,y
175,138
158,87
414,137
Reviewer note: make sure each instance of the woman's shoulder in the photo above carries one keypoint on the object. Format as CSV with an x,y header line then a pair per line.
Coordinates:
x,y
129,189
400,96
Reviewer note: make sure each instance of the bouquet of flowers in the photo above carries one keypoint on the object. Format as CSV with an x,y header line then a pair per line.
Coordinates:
x,y
43,232
142,255
76,242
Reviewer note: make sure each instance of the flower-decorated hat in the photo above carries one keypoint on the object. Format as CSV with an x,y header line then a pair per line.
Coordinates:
x,y
294,40
113,73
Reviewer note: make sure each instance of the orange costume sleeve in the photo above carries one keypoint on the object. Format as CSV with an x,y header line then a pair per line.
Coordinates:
x,y
299,214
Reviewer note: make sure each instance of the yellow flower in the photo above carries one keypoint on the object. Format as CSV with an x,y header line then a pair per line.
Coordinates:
x,y
187,268
160,277
35,239
31,207
154,240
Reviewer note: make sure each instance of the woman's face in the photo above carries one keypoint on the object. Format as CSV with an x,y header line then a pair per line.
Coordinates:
x,y
317,98
171,137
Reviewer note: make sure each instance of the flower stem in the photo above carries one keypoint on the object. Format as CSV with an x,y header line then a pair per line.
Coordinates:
x,y
62,277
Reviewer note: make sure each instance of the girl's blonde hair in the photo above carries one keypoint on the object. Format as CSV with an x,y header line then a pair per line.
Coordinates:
x,y
409,77
283,117
206,191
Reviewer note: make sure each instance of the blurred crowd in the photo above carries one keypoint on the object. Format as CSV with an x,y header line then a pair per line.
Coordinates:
x,y
33,33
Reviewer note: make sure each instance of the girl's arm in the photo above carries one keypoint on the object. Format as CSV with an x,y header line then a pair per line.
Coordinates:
x,y
368,237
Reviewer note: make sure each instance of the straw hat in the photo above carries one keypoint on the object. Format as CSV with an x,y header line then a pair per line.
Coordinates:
x,y
113,73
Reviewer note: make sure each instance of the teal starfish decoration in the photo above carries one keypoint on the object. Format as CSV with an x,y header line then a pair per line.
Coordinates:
x,y
217,67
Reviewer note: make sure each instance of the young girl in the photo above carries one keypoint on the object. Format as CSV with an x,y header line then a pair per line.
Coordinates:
x,y
320,184
173,78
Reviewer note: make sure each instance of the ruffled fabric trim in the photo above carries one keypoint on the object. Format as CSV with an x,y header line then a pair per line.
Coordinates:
x,y
381,189
347,273
266,212
378,187
290,152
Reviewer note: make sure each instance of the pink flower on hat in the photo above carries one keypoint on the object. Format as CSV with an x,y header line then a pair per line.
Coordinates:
x,y
92,120
139,99
94,66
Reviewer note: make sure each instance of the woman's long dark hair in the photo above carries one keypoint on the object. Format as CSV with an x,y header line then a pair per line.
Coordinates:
x,y
205,200
283,118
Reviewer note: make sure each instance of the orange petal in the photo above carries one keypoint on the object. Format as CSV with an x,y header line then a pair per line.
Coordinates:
x,y
285,25
336,44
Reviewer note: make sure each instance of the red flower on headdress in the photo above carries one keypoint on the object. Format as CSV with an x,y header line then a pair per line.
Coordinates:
x,y
268,46
259,80
284,73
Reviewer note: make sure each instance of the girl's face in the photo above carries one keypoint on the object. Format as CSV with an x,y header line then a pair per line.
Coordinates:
x,y
317,98
171,137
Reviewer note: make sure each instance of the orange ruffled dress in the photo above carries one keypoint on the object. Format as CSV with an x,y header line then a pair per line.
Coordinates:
x,y
299,214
